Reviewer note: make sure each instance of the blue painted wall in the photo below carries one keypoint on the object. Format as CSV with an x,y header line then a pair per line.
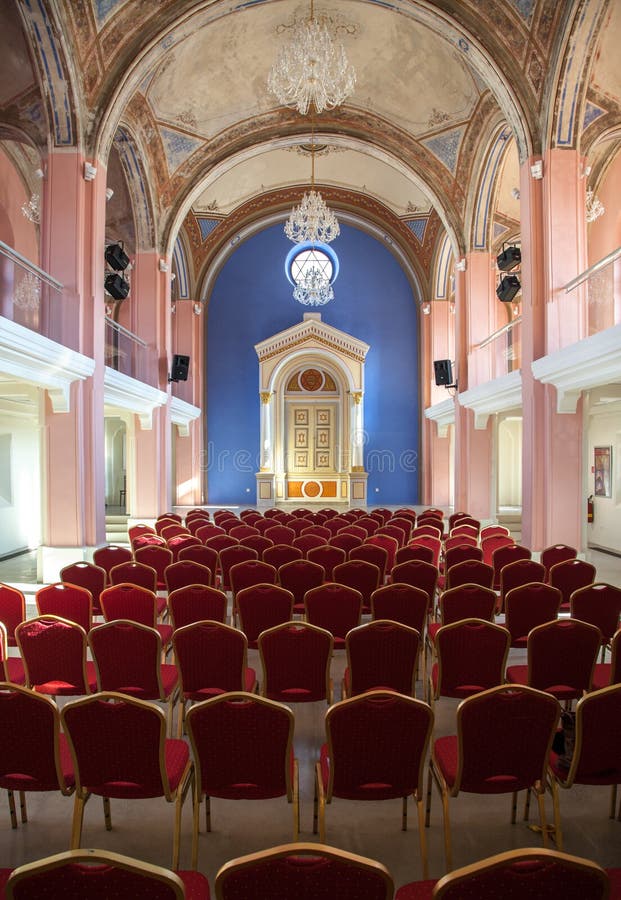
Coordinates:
x,y
252,300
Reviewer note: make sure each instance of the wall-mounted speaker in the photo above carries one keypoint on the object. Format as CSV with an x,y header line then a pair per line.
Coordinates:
x,y
443,370
116,286
508,288
179,368
509,258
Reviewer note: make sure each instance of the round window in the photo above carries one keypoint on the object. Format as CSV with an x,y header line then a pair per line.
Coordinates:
x,y
305,258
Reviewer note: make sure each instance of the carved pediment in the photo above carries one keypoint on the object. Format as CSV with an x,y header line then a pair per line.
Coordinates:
x,y
312,333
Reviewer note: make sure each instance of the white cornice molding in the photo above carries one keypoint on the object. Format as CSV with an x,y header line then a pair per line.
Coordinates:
x,y
134,396
443,414
181,414
593,361
493,397
312,331
28,356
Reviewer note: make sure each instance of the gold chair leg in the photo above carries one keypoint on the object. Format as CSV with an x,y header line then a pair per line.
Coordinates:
x,y
428,811
196,811
22,806
541,801
107,816
420,808
296,801
320,798
12,809
527,805
177,829
448,853
181,718
76,825
558,832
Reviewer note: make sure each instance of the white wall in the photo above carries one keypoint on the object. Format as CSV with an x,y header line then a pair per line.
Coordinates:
x,y
20,487
604,430
509,456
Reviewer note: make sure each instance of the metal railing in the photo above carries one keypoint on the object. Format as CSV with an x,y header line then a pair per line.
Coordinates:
x,y
499,354
599,286
127,353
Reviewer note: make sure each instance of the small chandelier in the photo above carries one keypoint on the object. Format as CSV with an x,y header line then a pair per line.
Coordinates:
x,y
314,289
594,206
312,220
312,71
32,209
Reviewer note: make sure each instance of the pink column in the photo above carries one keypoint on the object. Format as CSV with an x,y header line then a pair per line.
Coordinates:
x,y
552,254
72,241
437,343
188,330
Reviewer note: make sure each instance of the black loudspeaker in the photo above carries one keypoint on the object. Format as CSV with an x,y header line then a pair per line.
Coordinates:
x,y
116,257
179,368
508,288
443,371
509,258
116,286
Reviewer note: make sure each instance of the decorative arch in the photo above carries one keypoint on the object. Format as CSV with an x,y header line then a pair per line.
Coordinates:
x,y
481,215
130,156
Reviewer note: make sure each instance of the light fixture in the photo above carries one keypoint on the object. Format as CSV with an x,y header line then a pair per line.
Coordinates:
x,y
313,70
594,206
426,307
312,220
32,209
314,288
197,307
27,293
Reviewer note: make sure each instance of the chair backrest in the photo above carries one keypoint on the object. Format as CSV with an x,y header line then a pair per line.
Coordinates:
x,y
129,601
428,540
185,572
195,603
470,571
127,658
597,748
296,660
195,523
492,543
393,531
455,517
419,574
427,529
361,575
335,523
33,751
461,540
231,556
177,543
518,572
402,603
204,556
371,553
387,543
562,655
67,601
404,512
465,531
504,731
209,530
303,871
257,542
228,763
382,655
404,524
345,541
555,554
12,610
327,556
111,555
139,529
335,607
389,765
84,574
599,604
471,657
318,531
459,553
306,542
279,554
251,572
502,556
169,517
527,606
370,523
54,654
243,530
355,530
211,657
262,606
524,874
172,530
414,551
155,557
467,601
280,534
137,573
250,516
96,875
135,729
219,542
492,531
470,521
299,576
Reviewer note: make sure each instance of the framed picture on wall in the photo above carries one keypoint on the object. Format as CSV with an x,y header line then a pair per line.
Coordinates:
x,y
602,469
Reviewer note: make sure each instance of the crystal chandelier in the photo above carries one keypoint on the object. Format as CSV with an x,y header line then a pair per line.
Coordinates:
x,y
313,70
312,220
594,206
32,209
314,289
27,294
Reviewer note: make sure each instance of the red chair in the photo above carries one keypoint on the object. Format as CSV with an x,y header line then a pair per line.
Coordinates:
x,y
414,551
465,531
299,524
220,542
381,655
12,611
180,542
461,540
34,755
157,558
175,530
419,574
393,531
83,574
306,542
54,654
401,603
11,667
304,872
502,556
404,512
374,554
517,573
185,572
596,758
387,767
139,529
174,517
609,672
229,557
280,554
298,577
599,604
296,660
455,517
205,532
335,607
561,658
555,554
492,543
335,524
163,522
250,516
328,557
99,875
429,529
455,555
471,655
522,874
280,534
120,750
360,575
432,511
318,531
204,556
127,660
211,659
243,530
467,601
67,601
370,524
195,603
502,746
404,524
243,750
221,515
134,573
147,540
345,542
470,521
492,531
246,574
387,543
471,571
195,523
262,606
527,606
129,601
257,542
110,556
354,530
429,541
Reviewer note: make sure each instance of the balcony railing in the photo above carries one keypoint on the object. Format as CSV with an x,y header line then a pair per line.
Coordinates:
x,y
32,298
497,355
127,353
599,285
